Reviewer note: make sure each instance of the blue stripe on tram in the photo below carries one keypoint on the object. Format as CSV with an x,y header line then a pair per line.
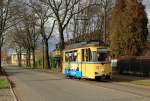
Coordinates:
x,y
74,73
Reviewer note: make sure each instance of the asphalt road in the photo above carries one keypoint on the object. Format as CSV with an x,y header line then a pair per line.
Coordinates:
x,y
38,86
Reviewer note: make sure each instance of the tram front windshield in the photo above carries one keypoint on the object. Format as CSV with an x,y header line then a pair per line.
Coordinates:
x,y
101,56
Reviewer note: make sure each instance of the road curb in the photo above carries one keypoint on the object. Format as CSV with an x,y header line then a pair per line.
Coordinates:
x,y
13,93
11,87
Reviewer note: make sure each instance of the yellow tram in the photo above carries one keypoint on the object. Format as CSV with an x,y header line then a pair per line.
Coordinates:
x,y
87,60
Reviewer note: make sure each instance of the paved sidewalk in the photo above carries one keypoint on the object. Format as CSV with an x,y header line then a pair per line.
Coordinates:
x,y
6,95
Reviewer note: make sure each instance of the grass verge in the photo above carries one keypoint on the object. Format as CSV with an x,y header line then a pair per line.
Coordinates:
x,y
132,80
141,82
4,83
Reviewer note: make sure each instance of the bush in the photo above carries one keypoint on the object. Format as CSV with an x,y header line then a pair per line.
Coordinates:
x,y
134,65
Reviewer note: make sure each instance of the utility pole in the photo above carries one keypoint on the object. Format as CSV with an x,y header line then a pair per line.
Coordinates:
x,y
43,53
82,18
105,3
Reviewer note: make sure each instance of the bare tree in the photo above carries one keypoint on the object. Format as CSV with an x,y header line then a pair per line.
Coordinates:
x,y
95,18
4,10
107,10
32,35
63,10
44,15
25,32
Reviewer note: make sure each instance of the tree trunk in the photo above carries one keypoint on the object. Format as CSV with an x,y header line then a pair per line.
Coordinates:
x,y
43,55
62,43
33,57
47,62
19,58
107,9
28,62
29,58
0,58
105,15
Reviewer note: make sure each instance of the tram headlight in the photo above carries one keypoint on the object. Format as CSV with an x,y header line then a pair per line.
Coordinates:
x,y
96,73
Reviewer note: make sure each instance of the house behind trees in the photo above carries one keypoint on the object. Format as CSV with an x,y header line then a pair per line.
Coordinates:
x,y
14,58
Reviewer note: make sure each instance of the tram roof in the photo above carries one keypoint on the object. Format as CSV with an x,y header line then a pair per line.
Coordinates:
x,y
84,44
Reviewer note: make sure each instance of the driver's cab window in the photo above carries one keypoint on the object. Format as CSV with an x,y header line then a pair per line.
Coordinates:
x,y
103,55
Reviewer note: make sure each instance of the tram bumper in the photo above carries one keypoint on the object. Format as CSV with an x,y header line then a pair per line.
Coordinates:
x,y
103,75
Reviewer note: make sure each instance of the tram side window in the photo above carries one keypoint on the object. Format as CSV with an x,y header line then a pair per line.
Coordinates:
x,y
66,57
71,56
74,56
88,54
94,56
83,54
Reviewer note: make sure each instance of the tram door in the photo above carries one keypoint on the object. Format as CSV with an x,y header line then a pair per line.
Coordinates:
x,y
83,63
86,57
88,65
